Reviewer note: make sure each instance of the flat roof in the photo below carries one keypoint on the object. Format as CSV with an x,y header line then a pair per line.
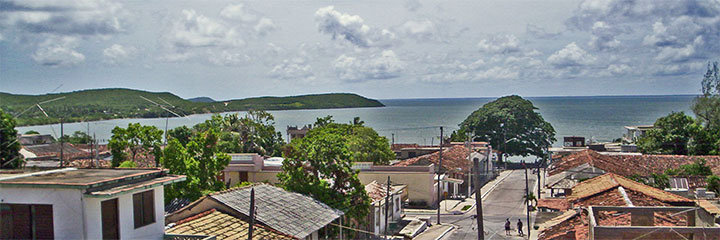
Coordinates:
x,y
80,178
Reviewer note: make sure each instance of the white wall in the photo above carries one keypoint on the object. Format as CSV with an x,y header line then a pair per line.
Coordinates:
x,y
66,205
68,212
127,223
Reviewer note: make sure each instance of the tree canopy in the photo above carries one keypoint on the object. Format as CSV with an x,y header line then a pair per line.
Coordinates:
x,y
9,146
320,165
78,137
199,159
672,134
252,133
364,143
707,108
136,138
511,125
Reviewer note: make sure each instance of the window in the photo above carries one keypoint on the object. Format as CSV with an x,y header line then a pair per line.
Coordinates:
x,y
144,208
377,217
109,218
24,221
397,204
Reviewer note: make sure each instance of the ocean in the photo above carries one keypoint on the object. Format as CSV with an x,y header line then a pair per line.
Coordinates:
x,y
417,120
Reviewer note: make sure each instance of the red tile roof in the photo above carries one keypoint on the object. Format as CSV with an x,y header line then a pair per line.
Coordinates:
x,y
398,146
557,204
611,181
455,160
628,165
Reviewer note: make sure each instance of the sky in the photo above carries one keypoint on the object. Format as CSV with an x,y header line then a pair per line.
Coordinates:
x,y
379,49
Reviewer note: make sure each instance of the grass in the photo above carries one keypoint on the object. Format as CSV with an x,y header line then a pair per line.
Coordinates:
x,y
466,207
101,104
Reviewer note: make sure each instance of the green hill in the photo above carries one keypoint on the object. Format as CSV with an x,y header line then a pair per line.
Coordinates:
x,y
99,104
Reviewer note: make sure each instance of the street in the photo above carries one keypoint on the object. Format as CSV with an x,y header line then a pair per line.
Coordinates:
x,y
505,201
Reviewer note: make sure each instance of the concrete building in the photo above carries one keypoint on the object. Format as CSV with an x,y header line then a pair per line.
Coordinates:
x,y
651,223
295,132
35,139
72,203
632,133
378,193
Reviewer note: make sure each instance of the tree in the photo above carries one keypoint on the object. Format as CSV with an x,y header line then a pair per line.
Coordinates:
x,y
252,133
319,165
136,139
200,160
9,146
671,135
511,125
713,182
707,108
32,132
77,137
365,144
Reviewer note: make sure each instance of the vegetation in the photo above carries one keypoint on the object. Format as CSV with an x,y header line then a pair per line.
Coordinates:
x,y
680,134
128,164
365,144
78,137
319,165
252,133
115,103
32,132
511,124
137,139
713,182
9,146
662,180
200,159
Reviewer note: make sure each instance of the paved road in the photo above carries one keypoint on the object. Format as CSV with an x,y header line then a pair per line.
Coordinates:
x,y
505,201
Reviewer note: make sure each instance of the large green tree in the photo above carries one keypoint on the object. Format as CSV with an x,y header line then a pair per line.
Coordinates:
x,y
252,133
707,108
200,159
671,134
511,125
78,137
364,143
9,146
136,139
319,165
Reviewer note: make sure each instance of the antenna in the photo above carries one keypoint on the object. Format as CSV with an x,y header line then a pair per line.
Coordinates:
x,y
38,105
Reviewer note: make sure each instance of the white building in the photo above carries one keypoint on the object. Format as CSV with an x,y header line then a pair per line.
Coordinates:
x,y
72,203
634,132
378,195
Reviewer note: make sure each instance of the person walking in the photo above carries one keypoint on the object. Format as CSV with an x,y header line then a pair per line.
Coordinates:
x,y
507,227
520,225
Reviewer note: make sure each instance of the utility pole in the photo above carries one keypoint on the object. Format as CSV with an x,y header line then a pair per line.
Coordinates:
x,y
252,213
62,147
538,178
387,204
469,181
393,139
166,127
527,198
439,192
478,201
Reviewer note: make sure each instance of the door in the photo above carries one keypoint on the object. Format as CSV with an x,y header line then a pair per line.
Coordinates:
x,y
110,221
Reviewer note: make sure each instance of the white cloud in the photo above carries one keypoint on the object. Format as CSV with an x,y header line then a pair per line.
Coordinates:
x,y
264,25
296,68
412,5
117,53
196,30
680,54
228,57
618,69
351,28
57,52
603,37
500,44
673,69
238,12
82,17
570,56
385,65
424,29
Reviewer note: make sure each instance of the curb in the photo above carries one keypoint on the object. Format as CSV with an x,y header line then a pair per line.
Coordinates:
x,y
445,232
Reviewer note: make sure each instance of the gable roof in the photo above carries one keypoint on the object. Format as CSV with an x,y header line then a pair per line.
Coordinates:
x,y
291,213
455,159
377,191
612,181
628,165
222,226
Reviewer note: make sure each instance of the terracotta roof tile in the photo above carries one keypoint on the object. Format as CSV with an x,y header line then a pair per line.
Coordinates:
x,y
223,226
612,181
628,165
455,159
557,204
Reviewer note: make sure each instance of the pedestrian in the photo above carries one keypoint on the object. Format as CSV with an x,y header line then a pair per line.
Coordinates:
x,y
519,225
507,227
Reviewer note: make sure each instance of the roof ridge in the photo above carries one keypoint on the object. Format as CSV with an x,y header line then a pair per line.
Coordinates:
x,y
236,188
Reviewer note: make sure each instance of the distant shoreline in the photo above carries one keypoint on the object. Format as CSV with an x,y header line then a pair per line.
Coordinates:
x,y
546,97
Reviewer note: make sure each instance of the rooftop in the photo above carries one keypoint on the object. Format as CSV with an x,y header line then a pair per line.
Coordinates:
x,y
610,181
96,182
291,213
377,191
455,159
222,226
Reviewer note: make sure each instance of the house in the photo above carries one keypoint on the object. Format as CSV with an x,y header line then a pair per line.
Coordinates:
x,y
455,168
612,190
421,190
294,132
574,141
291,214
215,223
378,195
72,203
632,133
35,139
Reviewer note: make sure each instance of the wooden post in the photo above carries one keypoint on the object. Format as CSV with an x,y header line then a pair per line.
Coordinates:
x,y
252,213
